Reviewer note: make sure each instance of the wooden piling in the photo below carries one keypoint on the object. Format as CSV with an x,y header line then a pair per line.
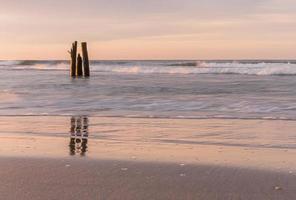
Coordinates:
x,y
79,66
73,54
85,59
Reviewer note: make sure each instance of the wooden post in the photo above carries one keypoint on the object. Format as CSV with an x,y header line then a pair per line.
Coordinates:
x,y
73,54
85,59
79,66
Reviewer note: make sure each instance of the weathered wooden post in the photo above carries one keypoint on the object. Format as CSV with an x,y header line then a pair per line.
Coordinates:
x,y
73,54
85,59
79,66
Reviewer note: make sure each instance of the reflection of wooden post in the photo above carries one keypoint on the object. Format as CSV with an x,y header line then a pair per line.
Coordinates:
x,y
85,59
73,124
85,126
73,53
79,135
79,66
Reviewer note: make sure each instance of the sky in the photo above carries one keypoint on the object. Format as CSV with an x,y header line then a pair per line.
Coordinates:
x,y
149,29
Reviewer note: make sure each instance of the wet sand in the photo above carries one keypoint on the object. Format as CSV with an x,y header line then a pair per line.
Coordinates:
x,y
128,158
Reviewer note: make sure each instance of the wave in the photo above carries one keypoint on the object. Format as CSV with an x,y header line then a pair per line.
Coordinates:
x,y
165,67
207,68
184,64
9,63
34,65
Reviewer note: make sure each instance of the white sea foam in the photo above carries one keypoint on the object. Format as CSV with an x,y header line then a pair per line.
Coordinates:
x,y
8,63
168,67
205,68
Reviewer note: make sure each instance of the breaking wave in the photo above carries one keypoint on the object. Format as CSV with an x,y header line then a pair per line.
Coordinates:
x,y
166,67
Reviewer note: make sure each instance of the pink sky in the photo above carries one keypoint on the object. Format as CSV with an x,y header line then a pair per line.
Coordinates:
x,y
149,29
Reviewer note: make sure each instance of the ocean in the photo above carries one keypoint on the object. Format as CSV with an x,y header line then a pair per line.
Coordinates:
x,y
226,89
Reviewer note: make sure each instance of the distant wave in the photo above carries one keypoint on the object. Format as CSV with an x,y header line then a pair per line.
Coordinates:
x,y
45,62
184,64
34,65
207,68
165,67
9,63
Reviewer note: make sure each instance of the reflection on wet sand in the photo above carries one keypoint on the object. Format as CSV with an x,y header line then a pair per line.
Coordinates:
x,y
79,135
243,143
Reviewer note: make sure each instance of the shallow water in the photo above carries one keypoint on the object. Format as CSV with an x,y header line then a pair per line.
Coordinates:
x,y
164,89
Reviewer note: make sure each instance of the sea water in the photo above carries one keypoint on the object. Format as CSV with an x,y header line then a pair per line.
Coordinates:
x,y
258,89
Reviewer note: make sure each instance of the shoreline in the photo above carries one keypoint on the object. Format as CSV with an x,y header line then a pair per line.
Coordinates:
x,y
151,117
238,143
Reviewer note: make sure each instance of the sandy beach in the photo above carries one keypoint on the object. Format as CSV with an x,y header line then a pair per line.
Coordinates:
x,y
139,158
23,178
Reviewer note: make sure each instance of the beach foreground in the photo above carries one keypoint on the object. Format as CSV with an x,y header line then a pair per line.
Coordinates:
x,y
82,157
100,179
